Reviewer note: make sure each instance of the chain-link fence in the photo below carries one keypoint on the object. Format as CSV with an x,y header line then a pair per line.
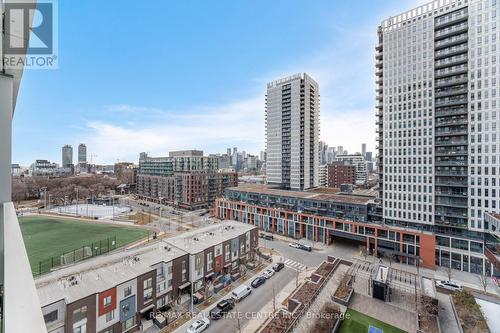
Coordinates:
x,y
87,251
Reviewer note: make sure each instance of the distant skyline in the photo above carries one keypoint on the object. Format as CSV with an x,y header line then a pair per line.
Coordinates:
x,y
194,77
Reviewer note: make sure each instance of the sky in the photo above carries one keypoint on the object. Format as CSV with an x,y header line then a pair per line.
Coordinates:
x,y
158,75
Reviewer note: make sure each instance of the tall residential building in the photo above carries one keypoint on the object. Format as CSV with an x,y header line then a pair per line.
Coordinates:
x,y
82,153
67,156
438,125
292,132
363,149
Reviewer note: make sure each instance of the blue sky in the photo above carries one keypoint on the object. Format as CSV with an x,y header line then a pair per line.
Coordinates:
x,y
163,75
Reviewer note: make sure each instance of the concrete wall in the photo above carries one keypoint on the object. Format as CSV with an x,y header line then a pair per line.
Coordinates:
x,y
6,111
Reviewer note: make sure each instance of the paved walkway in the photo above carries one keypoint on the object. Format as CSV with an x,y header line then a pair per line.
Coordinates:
x,y
306,324
446,317
254,324
392,315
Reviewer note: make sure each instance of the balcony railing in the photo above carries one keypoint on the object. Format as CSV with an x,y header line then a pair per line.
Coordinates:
x,y
21,306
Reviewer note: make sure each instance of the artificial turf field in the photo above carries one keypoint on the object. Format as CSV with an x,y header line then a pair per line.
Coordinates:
x,y
46,237
359,323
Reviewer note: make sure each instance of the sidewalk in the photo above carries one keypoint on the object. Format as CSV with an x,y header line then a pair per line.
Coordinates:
x,y
205,312
254,324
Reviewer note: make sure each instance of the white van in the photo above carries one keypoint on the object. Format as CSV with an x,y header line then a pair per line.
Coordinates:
x,y
241,292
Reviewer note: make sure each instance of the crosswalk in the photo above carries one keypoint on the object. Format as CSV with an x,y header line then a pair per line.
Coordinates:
x,y
294,265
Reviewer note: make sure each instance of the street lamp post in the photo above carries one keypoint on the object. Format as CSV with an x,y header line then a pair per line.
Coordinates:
x,y
76,213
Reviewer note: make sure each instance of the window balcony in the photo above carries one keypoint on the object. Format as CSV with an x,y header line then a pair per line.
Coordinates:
x,y
445,122
450,163
451,51
454,132
451,111
447,173
451,81
450,71
451,41
449,20
451,183
449,202
451,30
451,143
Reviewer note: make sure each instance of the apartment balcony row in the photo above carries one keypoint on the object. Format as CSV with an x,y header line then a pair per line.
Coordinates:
x,y
451,192
451,101
451,183
451,81
451,163
458,213
451,111
451,51
451,30
456,89
449,221
449,20
452,152
447,143
451,41
450,71
452,202
441,131
451,61
450,173
443,122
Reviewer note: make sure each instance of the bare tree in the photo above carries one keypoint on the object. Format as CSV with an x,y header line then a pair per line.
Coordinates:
x,y
449,271
483,279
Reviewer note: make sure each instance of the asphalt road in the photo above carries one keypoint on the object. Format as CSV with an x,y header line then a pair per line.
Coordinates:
x,y
309,259
253,303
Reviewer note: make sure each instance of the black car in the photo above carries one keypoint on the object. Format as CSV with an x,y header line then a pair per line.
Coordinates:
x,y
258,281
278,266
269,237
222,308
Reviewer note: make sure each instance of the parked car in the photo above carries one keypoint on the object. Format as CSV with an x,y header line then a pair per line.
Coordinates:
x,y
278,266
241,292
305,247
199,325
258,281
294,245
222,308
449,285
268,273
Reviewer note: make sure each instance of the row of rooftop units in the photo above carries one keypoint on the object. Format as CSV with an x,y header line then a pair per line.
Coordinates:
x,y
136,288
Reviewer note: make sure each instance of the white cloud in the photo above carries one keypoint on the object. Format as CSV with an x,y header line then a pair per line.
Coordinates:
x,y
239,123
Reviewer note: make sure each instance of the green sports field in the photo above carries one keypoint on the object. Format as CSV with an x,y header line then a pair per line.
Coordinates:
x,y
47,237
359,323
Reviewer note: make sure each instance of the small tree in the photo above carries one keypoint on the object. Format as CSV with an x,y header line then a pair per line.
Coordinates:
x,y
449,271
483,279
